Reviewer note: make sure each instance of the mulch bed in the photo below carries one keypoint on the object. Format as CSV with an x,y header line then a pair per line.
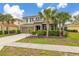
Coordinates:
x,y
33,36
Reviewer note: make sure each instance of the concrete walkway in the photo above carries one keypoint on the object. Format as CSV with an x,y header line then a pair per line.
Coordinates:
x,y
45,47
13,38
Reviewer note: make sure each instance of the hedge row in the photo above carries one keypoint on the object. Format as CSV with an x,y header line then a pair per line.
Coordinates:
x,y
72,30
51,33
11,32
43,32
54,33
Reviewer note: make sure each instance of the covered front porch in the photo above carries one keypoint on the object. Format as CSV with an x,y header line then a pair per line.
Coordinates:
x,y
43,27
35,27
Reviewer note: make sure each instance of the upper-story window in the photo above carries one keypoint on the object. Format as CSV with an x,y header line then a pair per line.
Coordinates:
x,y
26,19
31,19
37,19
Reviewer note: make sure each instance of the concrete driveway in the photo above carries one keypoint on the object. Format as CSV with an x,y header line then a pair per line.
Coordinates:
x,y
13,38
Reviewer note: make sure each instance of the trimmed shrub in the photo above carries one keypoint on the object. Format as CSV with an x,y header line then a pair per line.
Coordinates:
x,y
12,31
34,32
72,30
0,32
5,32
30,30
53,32
18,31
41,32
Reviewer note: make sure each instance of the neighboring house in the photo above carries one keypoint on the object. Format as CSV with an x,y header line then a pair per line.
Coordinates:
x,y
34,23
11,26
73,27
18,23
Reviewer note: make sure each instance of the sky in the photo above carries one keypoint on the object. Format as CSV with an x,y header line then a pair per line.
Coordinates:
x,y
19,10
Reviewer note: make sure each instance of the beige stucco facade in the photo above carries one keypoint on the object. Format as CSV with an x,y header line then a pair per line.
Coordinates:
x,y
73,27
11,26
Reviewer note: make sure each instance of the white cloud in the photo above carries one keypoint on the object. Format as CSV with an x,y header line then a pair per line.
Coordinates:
x,y
62,5
14,10
51,8
40,5
76,13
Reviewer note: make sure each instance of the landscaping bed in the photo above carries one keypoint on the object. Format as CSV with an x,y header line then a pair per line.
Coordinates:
x,y
71,40
14,51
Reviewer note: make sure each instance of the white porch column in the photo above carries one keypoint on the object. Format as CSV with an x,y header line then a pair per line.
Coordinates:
x,y
40,26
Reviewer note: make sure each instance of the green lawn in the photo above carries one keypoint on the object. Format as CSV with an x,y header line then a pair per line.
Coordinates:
x,y
6,35
14,51
71,40
73,35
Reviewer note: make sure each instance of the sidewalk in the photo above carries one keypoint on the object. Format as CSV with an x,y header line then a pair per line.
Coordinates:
x,y
61,48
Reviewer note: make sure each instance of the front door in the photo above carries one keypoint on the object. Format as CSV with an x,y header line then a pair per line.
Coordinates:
x,y
38,27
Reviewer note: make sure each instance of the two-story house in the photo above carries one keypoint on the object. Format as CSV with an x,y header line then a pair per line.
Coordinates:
x,y
34,23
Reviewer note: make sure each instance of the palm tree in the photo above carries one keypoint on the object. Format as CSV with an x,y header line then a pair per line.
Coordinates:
x,y
2,23
12,20
62,18
1,20
8,18
53,18
46,15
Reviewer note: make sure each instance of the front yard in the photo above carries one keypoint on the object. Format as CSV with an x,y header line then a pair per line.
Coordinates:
x,y
71,40
14,51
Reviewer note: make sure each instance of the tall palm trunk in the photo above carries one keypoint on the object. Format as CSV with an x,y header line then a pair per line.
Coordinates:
x,y
3,28
63,31
8,27
55,26
47,34
7,30
60,30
